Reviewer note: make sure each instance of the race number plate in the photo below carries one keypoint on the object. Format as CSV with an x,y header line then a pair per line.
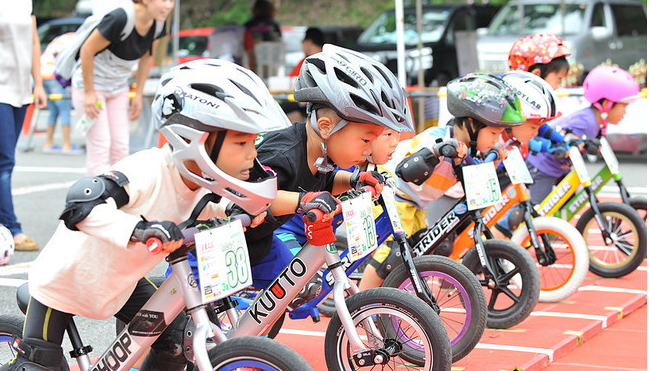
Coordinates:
x,y
516,168
393,211
579,164
481,185
361,231
223,262
609,156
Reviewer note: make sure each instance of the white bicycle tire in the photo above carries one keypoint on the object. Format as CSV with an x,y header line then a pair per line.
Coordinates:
x,y
579,250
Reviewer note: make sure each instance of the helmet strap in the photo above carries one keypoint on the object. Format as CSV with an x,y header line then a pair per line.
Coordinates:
x,y
218,143
603,110
322,163
473,135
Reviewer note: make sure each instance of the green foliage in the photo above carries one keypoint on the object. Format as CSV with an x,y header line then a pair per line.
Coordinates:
x,y
237,12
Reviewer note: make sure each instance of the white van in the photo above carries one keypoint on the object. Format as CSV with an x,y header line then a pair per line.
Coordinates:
x,y
594,30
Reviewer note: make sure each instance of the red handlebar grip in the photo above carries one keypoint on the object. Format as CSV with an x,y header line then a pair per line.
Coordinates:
x,y
314,214
154,245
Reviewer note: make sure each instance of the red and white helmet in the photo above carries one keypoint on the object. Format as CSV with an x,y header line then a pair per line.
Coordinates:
x,y
536,49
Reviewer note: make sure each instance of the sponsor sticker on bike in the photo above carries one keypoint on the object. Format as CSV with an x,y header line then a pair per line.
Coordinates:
x,y
223,261
609,156
391,208
481,185
516,168
359,220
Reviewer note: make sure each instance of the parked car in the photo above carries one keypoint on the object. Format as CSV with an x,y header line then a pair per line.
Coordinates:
x,y
439,24
192,44
49,30
594,30
344,36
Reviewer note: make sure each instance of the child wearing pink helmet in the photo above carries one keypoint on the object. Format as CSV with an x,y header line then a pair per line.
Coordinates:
x,y
609,89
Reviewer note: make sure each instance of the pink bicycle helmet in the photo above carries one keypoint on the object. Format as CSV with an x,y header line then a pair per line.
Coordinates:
x,y
611,83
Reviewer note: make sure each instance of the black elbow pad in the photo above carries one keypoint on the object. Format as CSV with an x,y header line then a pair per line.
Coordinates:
x,y
88,192
417,167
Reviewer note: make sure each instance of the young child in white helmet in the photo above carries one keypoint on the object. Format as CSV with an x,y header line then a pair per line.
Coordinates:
x,y
95,262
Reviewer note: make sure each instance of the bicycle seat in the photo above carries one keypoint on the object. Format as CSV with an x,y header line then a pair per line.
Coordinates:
x,y
22,297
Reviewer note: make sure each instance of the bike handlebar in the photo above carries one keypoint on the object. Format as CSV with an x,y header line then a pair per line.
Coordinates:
x,y
315,215
154,244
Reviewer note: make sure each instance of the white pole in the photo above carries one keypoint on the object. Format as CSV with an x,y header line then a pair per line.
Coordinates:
x,y
401,48
175,29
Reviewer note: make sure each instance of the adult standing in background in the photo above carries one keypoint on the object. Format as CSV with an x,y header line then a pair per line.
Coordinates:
x,y
261,27
312,43
107,62
21,52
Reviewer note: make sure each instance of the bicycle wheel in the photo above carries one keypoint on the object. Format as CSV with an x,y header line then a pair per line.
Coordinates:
x,y
562,278
509,304
629,240
458,294
10,326
255,353
401,332
639,203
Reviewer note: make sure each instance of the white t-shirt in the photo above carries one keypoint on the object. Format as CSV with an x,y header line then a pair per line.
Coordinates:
x,y
92,272
16,51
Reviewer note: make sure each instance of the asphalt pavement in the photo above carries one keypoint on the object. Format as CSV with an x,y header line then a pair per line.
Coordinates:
x,y
40,183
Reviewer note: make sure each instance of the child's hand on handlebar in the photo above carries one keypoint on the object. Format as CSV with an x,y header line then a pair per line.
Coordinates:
x,y
367,178
166,232
451,148
233,209
322,201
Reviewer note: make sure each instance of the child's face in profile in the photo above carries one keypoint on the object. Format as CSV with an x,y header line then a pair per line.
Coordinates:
x,y
488,137
350,145
554,78
237,153
384,146
528,130
616,113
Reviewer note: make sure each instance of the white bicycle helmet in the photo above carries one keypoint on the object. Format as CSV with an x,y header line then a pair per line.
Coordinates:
x,y
538,100
6,245
201,97
354,85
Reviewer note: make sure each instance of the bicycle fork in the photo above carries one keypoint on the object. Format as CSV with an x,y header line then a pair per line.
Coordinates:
x,y
545,256
606,233
422,290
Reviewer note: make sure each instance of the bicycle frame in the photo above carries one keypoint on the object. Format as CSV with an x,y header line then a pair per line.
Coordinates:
x,y
557,201
512,196
386,226
576,203
179,291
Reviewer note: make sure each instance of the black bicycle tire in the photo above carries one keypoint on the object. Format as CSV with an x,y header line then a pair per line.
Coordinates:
x,y
640,232
530,281
10,326
639,203
252,348
390,299
466,278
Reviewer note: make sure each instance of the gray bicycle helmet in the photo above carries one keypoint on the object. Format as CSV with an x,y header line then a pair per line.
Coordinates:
x,y
538,100
485,98
198,98
357,87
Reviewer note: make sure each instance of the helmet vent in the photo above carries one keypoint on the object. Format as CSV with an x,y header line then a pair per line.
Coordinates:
x,y
363,104
319,64
245,91
385,76
343,77
368,74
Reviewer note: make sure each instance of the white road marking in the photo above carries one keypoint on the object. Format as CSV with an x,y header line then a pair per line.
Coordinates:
x,y
41,188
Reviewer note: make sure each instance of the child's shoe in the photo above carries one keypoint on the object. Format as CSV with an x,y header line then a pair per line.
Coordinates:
x,y
36,355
